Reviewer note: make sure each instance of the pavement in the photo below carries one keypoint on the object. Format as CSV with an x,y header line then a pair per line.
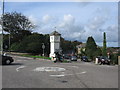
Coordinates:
x,y
38,73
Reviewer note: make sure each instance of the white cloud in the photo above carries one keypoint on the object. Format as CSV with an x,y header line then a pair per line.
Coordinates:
x,y
112,33
33,19
70,30
47,18
97,22
95,26
69,19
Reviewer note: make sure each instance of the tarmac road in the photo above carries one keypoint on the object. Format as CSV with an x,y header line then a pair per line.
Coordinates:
x,y
34,73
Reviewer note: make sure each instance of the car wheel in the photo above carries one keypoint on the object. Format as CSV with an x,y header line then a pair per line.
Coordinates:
x,y
55,61
8,62
108,63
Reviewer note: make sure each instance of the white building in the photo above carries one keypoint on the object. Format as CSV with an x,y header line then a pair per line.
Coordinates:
x,y
54,43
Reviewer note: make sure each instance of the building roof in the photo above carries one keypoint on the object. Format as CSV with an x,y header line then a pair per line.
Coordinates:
x,y
55,33
81,45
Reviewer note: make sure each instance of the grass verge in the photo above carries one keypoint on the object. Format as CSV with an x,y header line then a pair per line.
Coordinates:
x,y
42,57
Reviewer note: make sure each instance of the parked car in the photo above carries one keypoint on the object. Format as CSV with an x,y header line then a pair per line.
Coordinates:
x,y
6,60
84,58
103,60
73,58
66,57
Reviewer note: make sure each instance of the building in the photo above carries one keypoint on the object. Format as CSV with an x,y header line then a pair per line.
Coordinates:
x,y
54,43
80,47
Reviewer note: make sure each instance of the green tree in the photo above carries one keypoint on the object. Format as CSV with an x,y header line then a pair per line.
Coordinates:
x,y
17,25
91,48
33,44
104,51
67,45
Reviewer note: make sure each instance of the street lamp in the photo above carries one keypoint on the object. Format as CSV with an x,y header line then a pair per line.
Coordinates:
x,y
9,41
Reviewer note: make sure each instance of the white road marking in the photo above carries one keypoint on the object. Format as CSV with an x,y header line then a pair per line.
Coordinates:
x,y
48,69
57,75
83,72
17,69
61,75
74,66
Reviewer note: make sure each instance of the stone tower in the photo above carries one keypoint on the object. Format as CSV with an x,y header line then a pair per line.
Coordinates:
x,y
54,43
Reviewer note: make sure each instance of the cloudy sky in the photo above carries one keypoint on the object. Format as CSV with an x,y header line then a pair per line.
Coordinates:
x,y
74,20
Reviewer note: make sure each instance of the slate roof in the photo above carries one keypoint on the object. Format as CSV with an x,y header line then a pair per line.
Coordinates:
x,y
55,33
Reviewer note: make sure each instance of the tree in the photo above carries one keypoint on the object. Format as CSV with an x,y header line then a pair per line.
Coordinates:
x,y
67,45
104,51
17,25
91,48
33,44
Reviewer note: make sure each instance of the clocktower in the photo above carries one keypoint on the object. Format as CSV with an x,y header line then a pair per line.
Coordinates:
x,y
54,43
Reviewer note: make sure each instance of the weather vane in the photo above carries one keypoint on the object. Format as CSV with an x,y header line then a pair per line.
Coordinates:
x,y
55,28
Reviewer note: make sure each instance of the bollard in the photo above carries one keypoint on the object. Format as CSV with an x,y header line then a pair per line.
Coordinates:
x,y
96,61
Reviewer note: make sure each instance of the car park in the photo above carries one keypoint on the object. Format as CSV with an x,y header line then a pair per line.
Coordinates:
x,y
6,60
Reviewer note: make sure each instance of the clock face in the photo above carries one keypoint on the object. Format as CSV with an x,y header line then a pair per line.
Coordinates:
x,y
56,38
51,38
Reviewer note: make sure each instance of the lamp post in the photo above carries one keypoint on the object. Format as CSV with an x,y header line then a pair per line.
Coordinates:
x,y
9,41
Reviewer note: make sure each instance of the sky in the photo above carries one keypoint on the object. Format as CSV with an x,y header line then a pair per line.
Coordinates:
x,y
74,20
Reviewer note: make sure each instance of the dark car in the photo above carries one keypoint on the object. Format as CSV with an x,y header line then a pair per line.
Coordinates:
x,y
6,60
103,60
66,57
73,58
84,58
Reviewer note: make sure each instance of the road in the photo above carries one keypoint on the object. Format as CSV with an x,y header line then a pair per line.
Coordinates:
x,y
34,73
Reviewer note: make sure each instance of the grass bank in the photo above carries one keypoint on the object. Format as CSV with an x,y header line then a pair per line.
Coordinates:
x,y
32,56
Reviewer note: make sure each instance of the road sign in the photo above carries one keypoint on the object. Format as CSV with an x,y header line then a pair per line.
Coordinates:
x,y
43,46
